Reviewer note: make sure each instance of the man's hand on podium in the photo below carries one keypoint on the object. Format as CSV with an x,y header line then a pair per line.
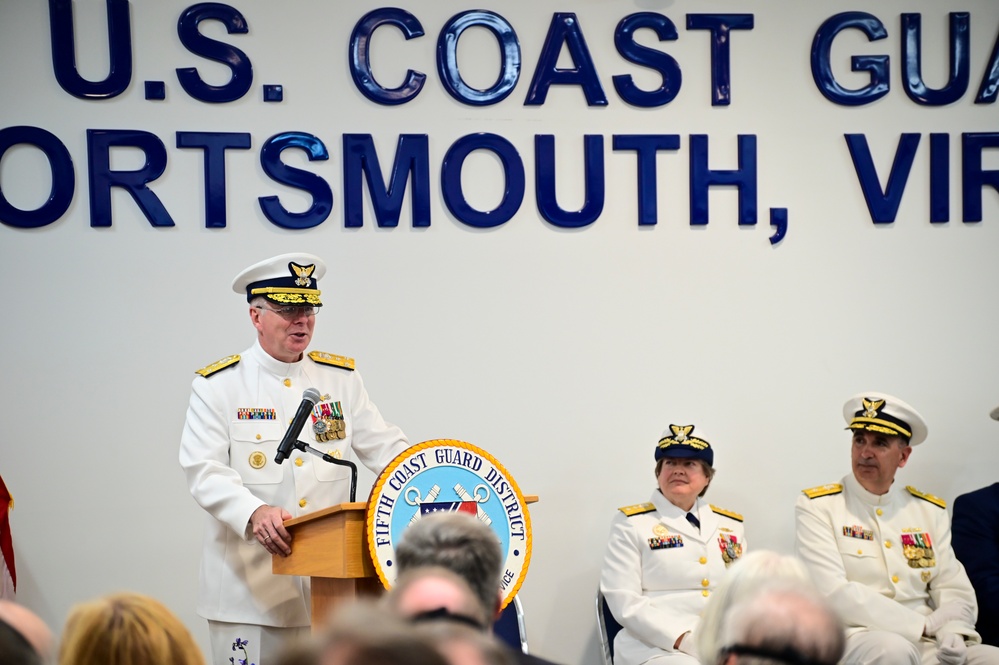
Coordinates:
x,y
268,528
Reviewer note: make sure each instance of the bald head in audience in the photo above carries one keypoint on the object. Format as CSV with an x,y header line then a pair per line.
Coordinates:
x,y
25,624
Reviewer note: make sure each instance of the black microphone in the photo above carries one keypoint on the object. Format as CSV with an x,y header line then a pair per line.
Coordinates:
x,y
309,399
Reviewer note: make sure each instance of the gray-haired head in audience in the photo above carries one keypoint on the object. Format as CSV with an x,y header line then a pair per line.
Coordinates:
x,y
781,625
753,571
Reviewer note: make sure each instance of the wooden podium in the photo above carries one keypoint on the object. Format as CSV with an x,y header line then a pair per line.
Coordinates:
x,y
330,546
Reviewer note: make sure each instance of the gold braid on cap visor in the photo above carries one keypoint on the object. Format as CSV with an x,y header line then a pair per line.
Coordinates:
x,y
289,296
691,441
878,425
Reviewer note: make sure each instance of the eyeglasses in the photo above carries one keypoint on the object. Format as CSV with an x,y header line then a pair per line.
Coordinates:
x,y
292,312
788,654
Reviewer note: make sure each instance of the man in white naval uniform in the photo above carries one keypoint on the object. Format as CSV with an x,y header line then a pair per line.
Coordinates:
x,y
665,557
240,407
882,552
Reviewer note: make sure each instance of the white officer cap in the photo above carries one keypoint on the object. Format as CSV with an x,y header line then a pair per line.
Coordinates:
x,y
878,412
679,441
287,279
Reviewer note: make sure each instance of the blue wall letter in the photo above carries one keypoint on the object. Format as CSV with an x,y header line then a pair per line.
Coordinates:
x,y
230,56
960,61
447,57
883,206
646,146
720,26
544,166
64,51
214,144
974,178
876,65
102,178
322,195
665,64
513,170
360,56
564,29
701,178
63,178
412,158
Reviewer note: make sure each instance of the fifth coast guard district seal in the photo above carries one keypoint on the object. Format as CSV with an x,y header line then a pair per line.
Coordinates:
x,y
445,475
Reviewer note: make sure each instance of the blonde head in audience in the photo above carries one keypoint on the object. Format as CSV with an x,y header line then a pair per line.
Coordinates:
x,y
126,629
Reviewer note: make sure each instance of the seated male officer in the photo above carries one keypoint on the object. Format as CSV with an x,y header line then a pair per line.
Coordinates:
x,y
881,552
976,543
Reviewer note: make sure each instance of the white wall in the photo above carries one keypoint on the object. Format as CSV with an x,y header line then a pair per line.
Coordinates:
x,y
563,353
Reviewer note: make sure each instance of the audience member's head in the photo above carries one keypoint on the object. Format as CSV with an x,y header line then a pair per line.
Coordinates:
x,y
433,592
15,648
460,543
301,651
126,629
363,633
24,638
781,626
464,645
750,573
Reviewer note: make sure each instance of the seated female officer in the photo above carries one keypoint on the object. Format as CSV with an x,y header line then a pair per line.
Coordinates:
x,y
664,558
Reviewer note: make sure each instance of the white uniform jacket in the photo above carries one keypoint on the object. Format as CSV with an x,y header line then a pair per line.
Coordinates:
x,y
884,561
659,571
236,418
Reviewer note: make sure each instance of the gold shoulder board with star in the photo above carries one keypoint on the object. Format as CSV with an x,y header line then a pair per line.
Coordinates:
x,y
727,513
823,490
935,500
323,358
637,509
208,370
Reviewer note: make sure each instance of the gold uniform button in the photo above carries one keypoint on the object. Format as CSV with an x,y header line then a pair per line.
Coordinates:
x,y
860,551
888,544
303,503
705,582
703,559
705,593
298,461
287,382
894,578
879,511
258,437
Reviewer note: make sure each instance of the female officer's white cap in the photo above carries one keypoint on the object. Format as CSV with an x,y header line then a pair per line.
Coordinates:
x,y
287,279
679,441
878,412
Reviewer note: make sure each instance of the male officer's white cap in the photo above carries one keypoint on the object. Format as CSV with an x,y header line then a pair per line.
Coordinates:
x,y
878,412
286,279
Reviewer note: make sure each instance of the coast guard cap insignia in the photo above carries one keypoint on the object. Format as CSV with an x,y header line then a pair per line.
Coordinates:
x,y
304,274
871,408
446,475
